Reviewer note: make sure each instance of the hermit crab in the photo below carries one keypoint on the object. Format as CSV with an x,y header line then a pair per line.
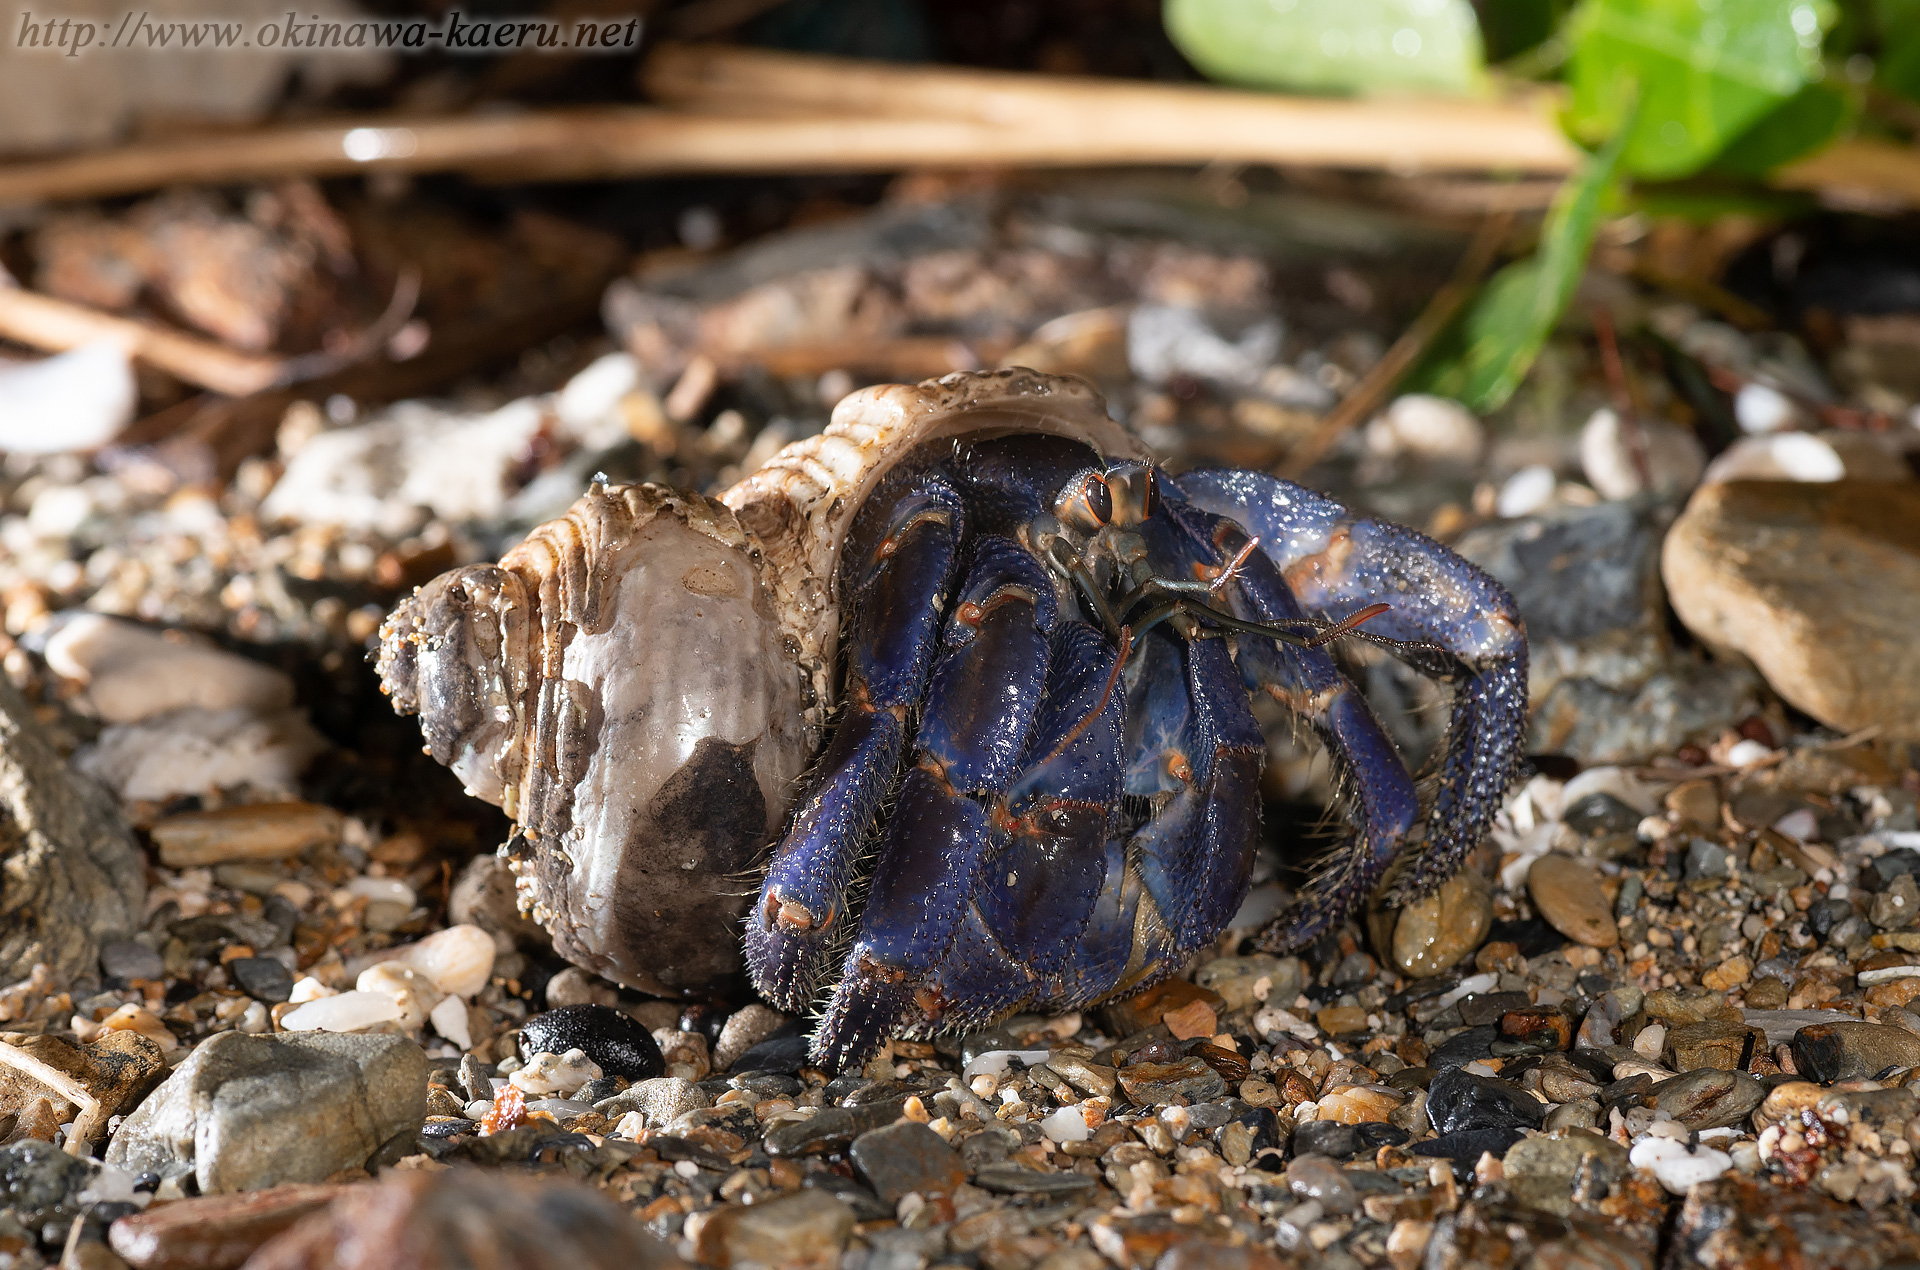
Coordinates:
x,y
948,707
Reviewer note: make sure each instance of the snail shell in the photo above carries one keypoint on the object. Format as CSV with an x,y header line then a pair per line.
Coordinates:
x,y
641,682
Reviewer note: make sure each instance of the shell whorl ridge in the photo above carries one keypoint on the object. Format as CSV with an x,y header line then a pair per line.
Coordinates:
x,y
799,505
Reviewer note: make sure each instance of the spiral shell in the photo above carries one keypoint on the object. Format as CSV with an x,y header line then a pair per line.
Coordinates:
x,y
640,683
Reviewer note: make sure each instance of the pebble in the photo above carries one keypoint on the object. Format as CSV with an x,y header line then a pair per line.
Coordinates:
x,y
1711,1043
1458,1100
1322,1181
262,978
1853,1051
352,1011
615,1041
549,1073
1542,1171
1678,1168
456,1218
1434,933
744,1029
261,831
807,1230
128,959
77,400
660,1101
1015,1179
1709,1098
1241,982
907,1157
129,672
1525,492
1663,458
457,960
1426,428
1811,583
244,1112
1567,892
1189,1080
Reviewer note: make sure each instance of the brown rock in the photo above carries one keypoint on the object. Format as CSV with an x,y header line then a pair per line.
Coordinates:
x,y
1712,1043
1137,1014
1817,583
1568,894
807,1230
257,831
114,1072
1678,1006
1434,933
217,1232
463,1217
1537,1022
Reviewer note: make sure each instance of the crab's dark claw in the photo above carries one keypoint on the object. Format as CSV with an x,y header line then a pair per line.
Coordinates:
x,y
1452,619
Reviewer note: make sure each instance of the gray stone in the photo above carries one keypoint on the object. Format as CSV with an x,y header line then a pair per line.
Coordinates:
x,y
659,1101
1318,1178
1896,906
1235,978
1156,1084
129,959
1017,1179
244,1111
262,978
806,1229
1608,685
1541,1171
74,875
1709,1098
744,1029
1708,860
906,1157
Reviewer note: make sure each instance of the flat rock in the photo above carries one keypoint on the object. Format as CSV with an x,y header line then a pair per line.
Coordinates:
x,y
75,877
466,1217
1568,894
907,1157
244,1112
1711,1043
807,1230
1189,1080
1818,584
1853,1051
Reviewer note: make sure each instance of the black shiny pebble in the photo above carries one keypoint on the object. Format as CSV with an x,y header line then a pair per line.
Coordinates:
x,y
1261,1120
1328,1138
1600,813
262,978
1408,1079
766,1084
1458,1100
1420,990
1593,984
446,1128
1466,1147
1483,1008
598,1090
612,1038
1464,1047
782,1055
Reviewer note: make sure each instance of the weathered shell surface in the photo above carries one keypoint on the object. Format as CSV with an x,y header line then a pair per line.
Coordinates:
x,y
640,683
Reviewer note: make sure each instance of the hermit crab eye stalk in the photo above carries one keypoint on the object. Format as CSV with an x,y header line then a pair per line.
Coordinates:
x,y
1134,493
1087,504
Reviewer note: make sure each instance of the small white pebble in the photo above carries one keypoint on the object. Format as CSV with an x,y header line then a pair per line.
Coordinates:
x,y
478,1109
1801,825
342,1012
1066,1125
1760,409
994,1062
449,1019
1526,492
1650,1041
686,1168
1747,753
555,1073
1677,1168
1478,1068
632,1125
381,890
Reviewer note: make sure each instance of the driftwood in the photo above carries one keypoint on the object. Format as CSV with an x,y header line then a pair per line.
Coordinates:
x,y
749,111
41,321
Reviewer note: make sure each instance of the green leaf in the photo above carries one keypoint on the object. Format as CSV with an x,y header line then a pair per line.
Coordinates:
x,y
1898,70
1511,319
1332,46
1807,121
1700,71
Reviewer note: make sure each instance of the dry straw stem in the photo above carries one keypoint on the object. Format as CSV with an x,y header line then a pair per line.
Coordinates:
x,y
732,110
42,322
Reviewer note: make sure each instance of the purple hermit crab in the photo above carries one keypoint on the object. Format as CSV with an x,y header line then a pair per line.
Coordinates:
x,y
1028,651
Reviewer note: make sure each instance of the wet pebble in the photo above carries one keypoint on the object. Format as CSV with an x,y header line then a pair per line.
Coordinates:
x,y
1458,1100
1568,894
807,1230
1434,933
1157,1084
262,978
1710,1098
907,1157
613,1040
1853,1051
1321,1180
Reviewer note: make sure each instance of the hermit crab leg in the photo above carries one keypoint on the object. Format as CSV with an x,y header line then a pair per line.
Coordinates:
x,y
982,695
1196,752
1038,891
896,594
1444,607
